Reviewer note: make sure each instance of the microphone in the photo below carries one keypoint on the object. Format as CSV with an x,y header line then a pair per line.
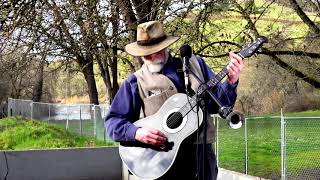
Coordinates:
x,y
186,53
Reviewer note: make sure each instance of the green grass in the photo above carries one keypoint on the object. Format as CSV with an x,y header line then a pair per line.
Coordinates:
x,y
309,113
264,145
17,133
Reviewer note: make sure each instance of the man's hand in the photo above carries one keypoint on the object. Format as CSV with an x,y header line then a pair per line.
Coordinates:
x,y
150,136
234,67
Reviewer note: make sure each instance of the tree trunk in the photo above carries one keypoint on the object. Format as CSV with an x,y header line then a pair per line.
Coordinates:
x,y
132,22
114,67
37,90
87,70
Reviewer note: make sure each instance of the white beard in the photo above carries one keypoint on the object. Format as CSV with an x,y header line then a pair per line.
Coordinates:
x,y
156,65
155,68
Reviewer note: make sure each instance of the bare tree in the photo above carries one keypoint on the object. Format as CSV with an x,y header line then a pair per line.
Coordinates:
x,y
95,32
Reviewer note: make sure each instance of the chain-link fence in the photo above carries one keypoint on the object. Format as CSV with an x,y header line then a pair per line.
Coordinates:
x,y
19,107
302,148
84,119
276,147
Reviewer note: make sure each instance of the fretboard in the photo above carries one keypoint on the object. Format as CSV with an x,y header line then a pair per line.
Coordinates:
x,y
218,77
210,84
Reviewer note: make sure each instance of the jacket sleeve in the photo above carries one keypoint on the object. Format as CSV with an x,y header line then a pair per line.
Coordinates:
x,y
226,93
124,110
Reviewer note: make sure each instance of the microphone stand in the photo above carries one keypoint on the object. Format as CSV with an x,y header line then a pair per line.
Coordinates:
x,y
204,155
204,92
225,112
186,70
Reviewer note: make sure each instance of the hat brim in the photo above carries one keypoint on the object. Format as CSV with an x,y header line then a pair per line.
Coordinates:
x,y
137,50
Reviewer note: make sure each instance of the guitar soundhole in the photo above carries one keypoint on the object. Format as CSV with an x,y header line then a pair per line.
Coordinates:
x,y
174,120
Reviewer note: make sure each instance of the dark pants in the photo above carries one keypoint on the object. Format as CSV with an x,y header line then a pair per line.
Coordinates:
x,y
187,167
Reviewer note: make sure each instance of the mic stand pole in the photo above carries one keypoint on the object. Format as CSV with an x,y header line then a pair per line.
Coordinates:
x,y
204,91
186,69
204,155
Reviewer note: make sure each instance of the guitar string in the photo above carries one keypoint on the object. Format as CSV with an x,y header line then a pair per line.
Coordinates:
x,y
171,122
189,107
177,118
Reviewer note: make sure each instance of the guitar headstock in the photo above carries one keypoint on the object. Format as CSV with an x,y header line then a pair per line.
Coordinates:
x,y
253,47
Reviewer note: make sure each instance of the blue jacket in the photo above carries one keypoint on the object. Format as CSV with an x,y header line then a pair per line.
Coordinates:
x,y
126,105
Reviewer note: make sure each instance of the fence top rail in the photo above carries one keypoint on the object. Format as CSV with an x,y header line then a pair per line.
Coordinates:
x,y
61,104
264,117
301,117
20,100
58,104
285,117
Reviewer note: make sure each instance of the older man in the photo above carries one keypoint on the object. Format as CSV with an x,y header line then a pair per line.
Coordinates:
x,y
157,80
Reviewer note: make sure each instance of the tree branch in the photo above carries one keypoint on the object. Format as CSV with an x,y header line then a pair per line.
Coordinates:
x,y
314,28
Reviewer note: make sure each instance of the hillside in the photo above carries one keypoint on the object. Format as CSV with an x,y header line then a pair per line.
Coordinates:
x,y
17,133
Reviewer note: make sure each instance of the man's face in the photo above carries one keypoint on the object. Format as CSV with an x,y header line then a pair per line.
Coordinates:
x,y
155,61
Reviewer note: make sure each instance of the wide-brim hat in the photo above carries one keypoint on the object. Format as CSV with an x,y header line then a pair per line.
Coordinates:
x,y
151,38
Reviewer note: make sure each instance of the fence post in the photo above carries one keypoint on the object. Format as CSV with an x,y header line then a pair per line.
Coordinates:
x,y
246,145
67,125
80,122
94,121
217,140
49,113
9,107
283,147
104,128
31,114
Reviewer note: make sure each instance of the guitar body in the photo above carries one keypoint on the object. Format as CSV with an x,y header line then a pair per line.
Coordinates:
x,y
149,162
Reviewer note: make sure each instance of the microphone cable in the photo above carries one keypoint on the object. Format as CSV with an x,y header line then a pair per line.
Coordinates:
x,y
198,99
7,165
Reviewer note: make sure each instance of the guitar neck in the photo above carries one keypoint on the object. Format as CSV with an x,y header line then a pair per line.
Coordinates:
x,y
245,52
218,77
210,84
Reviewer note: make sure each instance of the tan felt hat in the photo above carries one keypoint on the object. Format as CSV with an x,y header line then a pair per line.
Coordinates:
x,y
151,38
